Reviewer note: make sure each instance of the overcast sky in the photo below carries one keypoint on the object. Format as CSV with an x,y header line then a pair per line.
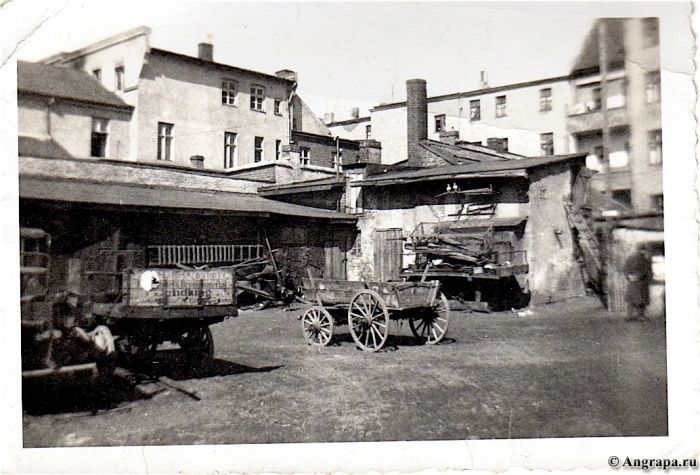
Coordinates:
x,y
352,53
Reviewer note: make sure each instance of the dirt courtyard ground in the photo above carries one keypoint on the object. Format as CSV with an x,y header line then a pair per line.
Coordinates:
x,y
569,370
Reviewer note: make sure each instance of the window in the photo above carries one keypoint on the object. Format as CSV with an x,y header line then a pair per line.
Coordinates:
x,y
546,99
547,144
305,157
623,196
257,98
597,99
230,157
98,142
119,78
97,74
278,149
165,142
658,202
259,143
229,92
650,32
616,94
653,87
278,107
500,106
500,144
439,123
599,152
654,144
475,110
368,132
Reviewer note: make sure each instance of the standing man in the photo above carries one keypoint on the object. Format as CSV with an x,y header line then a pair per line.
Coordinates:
x,y
638,271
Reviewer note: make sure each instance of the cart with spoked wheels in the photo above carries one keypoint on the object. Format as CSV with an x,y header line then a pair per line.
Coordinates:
x,y
368,307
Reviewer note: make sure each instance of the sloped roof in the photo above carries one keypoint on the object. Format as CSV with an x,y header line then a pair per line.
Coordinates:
x,y
322,184
466,153
588,60
502,168
222,66
44,148
64,83
153,197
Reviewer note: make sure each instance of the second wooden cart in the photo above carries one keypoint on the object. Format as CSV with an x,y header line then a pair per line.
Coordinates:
x,y
368,307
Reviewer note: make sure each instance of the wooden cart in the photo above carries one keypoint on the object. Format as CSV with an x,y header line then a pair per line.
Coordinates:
x,y
367,307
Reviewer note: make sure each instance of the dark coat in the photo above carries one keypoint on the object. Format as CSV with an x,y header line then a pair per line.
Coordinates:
x,y
638,271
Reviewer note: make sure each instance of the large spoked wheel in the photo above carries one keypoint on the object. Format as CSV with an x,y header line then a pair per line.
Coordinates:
x,y
368,319
317,324
198,344
430,325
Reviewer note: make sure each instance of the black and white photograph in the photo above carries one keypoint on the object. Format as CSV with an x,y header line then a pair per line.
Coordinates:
x,y
315,237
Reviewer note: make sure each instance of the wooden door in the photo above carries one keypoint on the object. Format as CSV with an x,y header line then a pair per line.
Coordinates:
x,y
336,258
388,252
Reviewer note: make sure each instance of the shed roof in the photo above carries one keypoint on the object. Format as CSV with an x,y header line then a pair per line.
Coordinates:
x,y
65,83
144,196
323,184
465,152
44,148
499,168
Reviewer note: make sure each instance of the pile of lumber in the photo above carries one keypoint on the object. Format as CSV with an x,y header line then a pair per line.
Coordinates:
x,y
456,247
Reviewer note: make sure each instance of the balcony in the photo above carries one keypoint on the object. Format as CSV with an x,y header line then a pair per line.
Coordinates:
x,y
588,116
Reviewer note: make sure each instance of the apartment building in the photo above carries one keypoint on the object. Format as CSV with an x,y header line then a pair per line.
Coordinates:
x,y
64,113
526,119
190,111
616,112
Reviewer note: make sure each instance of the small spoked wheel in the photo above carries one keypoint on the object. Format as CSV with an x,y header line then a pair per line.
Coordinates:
x,y
198,343
317,324
368,319
430,325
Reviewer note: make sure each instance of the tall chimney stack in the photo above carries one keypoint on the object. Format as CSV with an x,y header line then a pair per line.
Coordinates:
x,y
206,51
416,117
483,80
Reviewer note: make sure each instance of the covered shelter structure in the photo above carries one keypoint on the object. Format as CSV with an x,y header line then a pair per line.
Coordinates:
x,y
496,231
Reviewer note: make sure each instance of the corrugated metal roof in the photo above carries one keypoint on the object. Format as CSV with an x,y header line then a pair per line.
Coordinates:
x,y
134,195
65,83
510,168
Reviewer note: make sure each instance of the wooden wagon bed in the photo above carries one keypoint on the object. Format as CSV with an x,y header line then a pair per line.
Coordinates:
x,y
369,306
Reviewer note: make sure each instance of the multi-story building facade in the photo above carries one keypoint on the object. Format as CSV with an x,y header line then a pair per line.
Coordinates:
x,y
526,119
613,114
64,113
191,111
616,112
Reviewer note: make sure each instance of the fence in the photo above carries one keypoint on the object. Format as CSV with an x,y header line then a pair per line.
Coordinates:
x,y
203,254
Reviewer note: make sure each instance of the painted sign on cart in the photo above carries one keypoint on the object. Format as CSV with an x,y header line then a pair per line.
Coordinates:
x,y
180,287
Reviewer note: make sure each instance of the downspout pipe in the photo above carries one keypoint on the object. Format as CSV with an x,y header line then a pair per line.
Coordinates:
x,y
290,110
51,101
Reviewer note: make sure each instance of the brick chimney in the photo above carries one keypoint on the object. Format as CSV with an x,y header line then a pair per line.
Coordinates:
x,y
416,118
449,136
370,151
206,51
